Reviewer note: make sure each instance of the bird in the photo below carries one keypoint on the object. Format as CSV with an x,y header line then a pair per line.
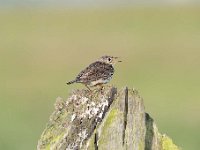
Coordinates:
x,y
97,73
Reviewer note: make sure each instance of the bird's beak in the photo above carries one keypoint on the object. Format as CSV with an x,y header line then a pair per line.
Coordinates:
x,y
117,59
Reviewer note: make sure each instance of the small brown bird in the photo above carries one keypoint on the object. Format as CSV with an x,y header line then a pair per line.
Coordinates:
x,y
98,73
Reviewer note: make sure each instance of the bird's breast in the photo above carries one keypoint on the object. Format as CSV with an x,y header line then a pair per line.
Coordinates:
x,y
100,81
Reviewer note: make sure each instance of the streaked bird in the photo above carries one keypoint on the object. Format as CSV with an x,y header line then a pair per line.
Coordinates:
x,y
97,73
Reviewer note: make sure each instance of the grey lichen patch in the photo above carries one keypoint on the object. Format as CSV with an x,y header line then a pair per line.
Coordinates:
x,y
75,119
59,104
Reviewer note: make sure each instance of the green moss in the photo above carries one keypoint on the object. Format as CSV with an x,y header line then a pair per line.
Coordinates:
x,y
53,141
141,146
111,117
47,147
107,124
167,144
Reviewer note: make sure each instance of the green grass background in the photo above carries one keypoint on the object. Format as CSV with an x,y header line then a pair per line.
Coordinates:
x,y
41,49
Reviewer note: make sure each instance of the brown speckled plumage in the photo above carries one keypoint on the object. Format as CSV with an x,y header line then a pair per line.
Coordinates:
x,y
97,73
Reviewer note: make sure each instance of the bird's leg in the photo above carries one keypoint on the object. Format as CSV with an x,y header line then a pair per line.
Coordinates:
x,y
100,88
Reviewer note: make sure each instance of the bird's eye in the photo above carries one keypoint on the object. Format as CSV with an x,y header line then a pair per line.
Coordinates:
x,y
109,59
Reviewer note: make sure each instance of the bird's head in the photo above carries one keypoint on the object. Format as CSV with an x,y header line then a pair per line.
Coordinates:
x,y
109,60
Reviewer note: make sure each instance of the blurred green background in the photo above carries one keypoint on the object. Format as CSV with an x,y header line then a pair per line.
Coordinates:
x,y
42,48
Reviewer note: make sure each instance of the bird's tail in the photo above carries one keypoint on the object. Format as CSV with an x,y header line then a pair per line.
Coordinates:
x,y
70,82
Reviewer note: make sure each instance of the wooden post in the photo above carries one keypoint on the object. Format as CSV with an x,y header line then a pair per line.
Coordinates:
x,y
102,120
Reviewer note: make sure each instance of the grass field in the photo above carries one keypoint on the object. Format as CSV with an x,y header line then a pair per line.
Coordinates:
x,y
41,49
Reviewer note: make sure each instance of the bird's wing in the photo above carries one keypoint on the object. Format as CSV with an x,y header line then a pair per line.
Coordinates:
x,y
95,71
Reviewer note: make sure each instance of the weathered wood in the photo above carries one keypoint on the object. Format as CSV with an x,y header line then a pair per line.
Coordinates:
x,y
102,120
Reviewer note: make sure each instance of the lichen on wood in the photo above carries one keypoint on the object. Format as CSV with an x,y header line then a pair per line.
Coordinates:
x,y
104,119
